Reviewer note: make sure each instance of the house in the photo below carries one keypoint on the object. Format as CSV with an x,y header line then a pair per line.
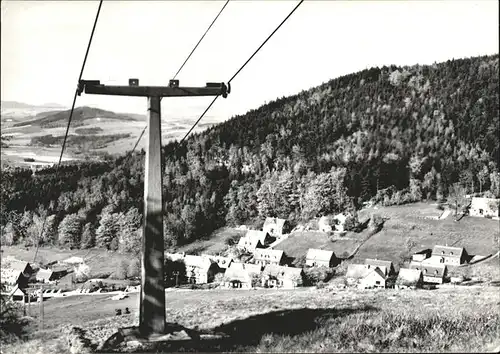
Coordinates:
x,y
318,258
356,272
59,271
375,278
339,221
431,273
390,271
485,207
276,227
44,276
199,269
222,262
14,272
175,256
409,279
250,243
240,275
264,237
275,276
421,255
448,255
264,256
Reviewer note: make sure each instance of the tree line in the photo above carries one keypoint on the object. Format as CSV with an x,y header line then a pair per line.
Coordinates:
x,y
392,134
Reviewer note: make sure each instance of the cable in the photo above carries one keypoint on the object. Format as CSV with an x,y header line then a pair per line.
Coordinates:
x,y
241,68
182,66
70,117
197,44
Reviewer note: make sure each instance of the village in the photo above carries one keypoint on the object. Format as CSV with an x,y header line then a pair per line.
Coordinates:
x,y
254,262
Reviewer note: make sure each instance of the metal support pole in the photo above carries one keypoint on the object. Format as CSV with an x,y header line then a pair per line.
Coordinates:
x,y
152,305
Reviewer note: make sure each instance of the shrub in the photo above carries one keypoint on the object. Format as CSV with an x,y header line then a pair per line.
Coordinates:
x,y
315,275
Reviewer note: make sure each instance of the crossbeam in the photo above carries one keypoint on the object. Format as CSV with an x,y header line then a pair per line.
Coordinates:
x,y
152,297
96,88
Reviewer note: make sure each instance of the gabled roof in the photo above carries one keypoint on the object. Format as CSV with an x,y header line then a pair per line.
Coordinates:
x,y
408,276
483,203
257,234
319,255
428,270
241,271
357,271
203,263
175,256
267,254
249,242
280,272
276,222
11,276
44,274
223,262
375,271
448,251
17,265
379,262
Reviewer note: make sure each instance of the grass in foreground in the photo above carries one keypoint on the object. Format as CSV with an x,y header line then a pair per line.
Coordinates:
x,y
316,320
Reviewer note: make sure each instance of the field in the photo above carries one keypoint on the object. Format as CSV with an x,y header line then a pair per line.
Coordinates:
x,y
303,320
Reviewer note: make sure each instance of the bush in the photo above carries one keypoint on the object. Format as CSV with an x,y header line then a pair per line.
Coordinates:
x,y
315,275
12,325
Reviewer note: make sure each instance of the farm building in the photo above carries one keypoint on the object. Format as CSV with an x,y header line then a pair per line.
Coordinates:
x,y
339,221
389,267
409,279
431,273
375,278
264,237
448,255
264,256
240,275
175,256
276,227
484,207
275,276
59,271
318,258
421,255
200,270
44,275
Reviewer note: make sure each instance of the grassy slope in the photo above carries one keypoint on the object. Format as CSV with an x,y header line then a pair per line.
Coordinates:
x,y
309,319
215,244
407,221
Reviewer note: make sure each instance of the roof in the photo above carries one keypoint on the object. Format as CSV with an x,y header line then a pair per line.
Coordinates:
x,y
448,251
279,223
201,262
16,264
242,271
249,242
429,270
408,276
10,276
73,260
268,254
357,271
375,271
319,255
175,256
477,202
223,262
44,274
379,262
257,234
282,271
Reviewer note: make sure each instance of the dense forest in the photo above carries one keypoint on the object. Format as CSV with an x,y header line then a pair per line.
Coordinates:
x,y
392,134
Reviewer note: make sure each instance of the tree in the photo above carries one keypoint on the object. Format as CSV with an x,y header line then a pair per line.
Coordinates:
x,y
121,270
456,197
88,236
134,268
109,227
70,231
483,176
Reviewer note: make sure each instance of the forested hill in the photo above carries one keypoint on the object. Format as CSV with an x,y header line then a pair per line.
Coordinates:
x,y
394,134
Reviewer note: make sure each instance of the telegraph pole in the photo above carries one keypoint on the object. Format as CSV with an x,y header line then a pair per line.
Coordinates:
x,y
152,298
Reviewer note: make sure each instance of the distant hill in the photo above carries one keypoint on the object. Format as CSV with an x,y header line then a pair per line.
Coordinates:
x,y
55,118
15,105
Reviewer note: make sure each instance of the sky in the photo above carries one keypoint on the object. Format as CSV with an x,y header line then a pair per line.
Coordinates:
x,y
43,45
